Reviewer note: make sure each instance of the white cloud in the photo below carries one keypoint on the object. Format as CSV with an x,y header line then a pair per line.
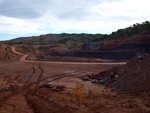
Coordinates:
x,y
57,16
17,26
130,8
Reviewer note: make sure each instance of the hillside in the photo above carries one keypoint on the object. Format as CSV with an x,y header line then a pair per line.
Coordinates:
x,y
123,44
55,39
6,53
132,30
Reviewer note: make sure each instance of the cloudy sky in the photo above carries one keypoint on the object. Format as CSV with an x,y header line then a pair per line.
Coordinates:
x,y
34,17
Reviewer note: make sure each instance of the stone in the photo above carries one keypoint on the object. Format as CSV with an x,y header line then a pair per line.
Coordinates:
x,y
105,79
94,81
140,57
100,78
101,81
85,78
116,76
89,75
49,85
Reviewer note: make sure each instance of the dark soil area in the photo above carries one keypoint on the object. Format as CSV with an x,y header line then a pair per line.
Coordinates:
x,y
132,77
112,55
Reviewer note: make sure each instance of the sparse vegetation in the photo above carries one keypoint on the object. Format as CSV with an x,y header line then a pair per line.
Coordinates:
x,y
130,31
77,93
90,94
55,39
4,112
98,39
63,41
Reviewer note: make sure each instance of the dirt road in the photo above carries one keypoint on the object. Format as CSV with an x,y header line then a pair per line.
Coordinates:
x,y
24,56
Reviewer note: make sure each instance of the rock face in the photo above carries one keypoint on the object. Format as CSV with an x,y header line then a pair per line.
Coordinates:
x,y
115,55
93,46
119,49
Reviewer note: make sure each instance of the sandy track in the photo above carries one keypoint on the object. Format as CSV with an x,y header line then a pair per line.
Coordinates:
x,y
16,52
24,56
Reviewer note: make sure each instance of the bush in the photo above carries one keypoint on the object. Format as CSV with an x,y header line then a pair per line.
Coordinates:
x,y
77,93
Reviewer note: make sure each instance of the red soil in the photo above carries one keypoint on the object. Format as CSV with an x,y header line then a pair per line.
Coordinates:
x,y
133,77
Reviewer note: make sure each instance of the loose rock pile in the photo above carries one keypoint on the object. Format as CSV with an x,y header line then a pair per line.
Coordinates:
x,y
132,77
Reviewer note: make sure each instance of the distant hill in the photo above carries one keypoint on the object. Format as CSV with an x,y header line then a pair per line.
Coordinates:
x,y
75,39
56,39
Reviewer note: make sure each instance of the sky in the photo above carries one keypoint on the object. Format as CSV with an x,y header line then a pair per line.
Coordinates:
x,y
20,18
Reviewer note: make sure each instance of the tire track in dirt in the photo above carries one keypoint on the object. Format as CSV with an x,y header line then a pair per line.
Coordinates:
x,y
73,74
40,76
35,86
62,75
34,71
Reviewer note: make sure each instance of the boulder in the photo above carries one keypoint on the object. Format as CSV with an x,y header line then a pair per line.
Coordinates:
x,y
101,81
116,76
141,57
94,81
85,78
49,85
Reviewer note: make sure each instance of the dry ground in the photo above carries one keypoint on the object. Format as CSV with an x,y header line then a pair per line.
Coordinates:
x,y
22,91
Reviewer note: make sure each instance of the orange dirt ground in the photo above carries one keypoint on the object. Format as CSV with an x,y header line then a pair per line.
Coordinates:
x,y
21,90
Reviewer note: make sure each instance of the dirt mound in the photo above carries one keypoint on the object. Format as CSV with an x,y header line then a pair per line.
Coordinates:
x,y
135,76
132,77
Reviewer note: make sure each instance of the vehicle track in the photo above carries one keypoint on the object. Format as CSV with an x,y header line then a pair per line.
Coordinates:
x,y
40,76
63,75
34,71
